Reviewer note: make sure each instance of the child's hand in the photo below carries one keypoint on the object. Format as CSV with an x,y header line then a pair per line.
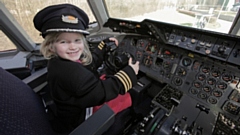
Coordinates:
x,y
135,66
114,39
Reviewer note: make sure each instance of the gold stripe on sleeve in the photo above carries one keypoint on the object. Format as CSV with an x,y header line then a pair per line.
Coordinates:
x,y
119,77
125,81
101,45
124,78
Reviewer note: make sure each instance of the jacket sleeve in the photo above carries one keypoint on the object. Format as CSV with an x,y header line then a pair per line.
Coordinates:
x,y
88,90
98,55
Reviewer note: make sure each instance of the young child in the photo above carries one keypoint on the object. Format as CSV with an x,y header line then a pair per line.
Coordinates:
x,y
72,68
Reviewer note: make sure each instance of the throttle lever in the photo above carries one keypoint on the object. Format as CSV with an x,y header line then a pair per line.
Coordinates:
x,y
175,102
203,108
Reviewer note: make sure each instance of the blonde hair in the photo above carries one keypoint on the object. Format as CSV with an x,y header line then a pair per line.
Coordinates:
x,y
47,44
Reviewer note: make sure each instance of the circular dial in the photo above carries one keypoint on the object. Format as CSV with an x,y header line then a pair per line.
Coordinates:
x,y
226,77
201,77
211,81
205,69
207,88
177,81
186,62
181,71
216,73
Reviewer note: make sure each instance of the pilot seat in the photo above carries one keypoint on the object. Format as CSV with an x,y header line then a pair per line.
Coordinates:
x,y
22,111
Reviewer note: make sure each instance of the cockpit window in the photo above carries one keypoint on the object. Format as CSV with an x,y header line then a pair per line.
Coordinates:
x,y
5,43
212,15
24,11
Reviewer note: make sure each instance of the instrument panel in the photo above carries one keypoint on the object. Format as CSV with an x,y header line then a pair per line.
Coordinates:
x,y
201,72
211,86
198,76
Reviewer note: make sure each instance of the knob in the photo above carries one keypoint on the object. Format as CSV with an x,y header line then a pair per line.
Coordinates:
x,y
178,81
184,38
236,53
221,49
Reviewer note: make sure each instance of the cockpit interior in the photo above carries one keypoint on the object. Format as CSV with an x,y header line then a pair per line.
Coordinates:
x,y
189,76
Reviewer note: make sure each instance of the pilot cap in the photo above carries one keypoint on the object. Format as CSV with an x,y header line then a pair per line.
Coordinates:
x,y
61,18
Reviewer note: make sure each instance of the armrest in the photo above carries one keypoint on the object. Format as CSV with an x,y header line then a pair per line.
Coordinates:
x,y
97,124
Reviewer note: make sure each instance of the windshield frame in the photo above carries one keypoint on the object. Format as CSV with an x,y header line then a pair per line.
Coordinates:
x,y
235,28
231,27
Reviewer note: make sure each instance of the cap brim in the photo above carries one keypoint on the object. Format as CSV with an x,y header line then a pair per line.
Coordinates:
x,y
67,30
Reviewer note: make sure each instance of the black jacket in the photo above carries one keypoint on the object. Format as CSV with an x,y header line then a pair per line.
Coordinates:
x,y
75,87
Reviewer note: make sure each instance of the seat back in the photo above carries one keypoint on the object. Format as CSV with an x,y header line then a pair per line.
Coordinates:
x,y
21,109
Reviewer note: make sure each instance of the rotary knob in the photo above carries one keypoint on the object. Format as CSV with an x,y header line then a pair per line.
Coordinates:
x,y
221,49
236,53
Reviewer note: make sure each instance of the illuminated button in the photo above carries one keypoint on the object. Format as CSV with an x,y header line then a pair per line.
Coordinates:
x,y
193,41
207,51
208,45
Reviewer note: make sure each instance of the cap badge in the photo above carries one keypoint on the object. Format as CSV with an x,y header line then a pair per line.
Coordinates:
x,y
69,19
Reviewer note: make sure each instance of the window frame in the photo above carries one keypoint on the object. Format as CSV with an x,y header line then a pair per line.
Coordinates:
x,y
11,28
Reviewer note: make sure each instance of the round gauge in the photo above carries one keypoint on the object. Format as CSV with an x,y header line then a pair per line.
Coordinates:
x,y
202,95
177,81
194,91
201,77
205,69
181,71
197,84
147,61
211,81
186,62
212,100
217,93
216,73
222,85
196,65
207,88
151,48
226,77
